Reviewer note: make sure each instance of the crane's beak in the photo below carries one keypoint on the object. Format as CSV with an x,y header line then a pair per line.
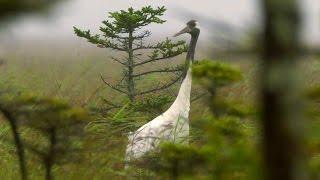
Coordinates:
x,y
185,30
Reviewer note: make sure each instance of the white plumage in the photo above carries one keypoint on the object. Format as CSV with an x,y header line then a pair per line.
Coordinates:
x,y
171,126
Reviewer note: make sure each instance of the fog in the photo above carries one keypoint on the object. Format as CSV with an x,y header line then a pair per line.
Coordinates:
x,y
239,16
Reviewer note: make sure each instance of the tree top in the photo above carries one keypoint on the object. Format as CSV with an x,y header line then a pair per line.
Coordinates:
x,y
124,21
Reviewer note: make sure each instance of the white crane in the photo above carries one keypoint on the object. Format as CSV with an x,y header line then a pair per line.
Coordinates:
x,y
172,125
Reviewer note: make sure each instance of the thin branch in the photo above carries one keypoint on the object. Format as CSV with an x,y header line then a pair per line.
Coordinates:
x,y
155,59
111,45
111,86
162,87
123,78
117,60
157,71
137,57
140,47
143,35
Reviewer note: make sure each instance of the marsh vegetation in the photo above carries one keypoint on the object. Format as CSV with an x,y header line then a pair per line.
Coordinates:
x,y
62,117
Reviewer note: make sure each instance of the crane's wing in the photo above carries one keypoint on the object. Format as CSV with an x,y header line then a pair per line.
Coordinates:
x,y
149,136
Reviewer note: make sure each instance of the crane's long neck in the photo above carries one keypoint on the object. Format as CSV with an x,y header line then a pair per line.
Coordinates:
x,y
181,105
192,47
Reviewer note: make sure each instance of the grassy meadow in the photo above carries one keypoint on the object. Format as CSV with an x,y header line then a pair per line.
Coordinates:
x,y
73,74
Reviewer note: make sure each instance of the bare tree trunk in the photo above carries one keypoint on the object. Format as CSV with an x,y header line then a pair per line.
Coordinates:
x,y
17,140
281,112
49,160
131,88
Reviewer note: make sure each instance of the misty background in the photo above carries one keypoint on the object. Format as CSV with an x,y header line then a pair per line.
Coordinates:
x,y
221,20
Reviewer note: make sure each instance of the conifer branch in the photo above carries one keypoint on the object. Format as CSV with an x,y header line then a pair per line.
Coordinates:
x,y
118,61
112,86
161,87
158,71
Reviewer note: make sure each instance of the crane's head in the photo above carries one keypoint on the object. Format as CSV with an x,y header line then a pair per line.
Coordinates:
x,y
191,29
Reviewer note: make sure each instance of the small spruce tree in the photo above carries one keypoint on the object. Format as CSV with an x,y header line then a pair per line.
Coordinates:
x,y
123,32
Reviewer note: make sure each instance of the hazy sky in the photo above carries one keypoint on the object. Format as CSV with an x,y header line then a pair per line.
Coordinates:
x,y
89,13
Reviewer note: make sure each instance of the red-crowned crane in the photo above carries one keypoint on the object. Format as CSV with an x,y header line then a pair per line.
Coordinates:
x,y
172,125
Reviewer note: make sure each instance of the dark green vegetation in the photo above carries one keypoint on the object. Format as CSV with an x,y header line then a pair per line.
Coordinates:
x,y
82,138
57,124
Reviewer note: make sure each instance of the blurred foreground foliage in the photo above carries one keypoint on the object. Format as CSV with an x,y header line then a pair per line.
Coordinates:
x,y
313,126
13,7
221,74
50,129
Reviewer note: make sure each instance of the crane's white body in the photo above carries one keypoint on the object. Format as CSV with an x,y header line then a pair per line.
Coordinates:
x,y
171,126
